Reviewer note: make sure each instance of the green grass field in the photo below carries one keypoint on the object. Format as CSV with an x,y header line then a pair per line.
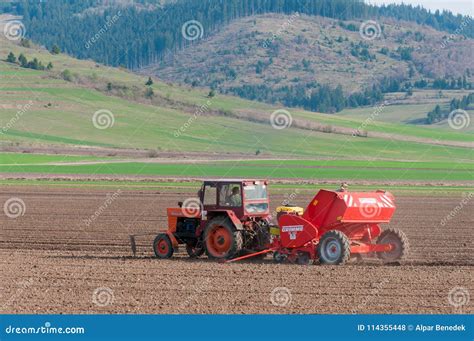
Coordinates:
x,y
60,113
348,170
26,159
68,118
192,186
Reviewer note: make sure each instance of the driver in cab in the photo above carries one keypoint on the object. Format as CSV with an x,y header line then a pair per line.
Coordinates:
x,y
235,199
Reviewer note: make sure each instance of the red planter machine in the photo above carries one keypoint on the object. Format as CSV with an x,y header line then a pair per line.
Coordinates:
x,y
335,226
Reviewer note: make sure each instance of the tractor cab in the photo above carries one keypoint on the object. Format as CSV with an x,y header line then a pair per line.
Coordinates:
x,y
245,198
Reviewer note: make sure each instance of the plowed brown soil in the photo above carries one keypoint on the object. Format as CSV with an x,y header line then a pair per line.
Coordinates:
x,y
52,261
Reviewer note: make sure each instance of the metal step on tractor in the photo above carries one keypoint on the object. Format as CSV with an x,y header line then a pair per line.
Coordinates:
x,y
230,220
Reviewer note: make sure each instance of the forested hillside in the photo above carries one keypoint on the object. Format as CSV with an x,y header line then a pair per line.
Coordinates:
x,y
301,53
141,32
320,64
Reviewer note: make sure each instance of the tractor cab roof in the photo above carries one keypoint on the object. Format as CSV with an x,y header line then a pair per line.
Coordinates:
x,y
236,180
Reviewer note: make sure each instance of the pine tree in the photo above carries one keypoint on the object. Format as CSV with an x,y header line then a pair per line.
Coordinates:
x,y
22,59
55,49
149,93
11,58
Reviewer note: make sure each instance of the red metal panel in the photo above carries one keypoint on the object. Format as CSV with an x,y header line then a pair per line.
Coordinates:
x,y
296,231
330,208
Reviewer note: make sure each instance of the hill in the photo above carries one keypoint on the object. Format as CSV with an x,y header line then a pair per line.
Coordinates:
x,y
277,58
141,32
62,110
319,55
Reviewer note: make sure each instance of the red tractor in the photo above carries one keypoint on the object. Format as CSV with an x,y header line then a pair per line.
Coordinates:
x,y
231,220
231,217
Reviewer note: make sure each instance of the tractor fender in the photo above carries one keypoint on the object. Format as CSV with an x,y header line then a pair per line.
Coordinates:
x,y
229,214
173,239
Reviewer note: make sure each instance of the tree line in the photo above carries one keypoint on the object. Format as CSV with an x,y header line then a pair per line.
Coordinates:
x,y
438,114
140,37
23,62
324,98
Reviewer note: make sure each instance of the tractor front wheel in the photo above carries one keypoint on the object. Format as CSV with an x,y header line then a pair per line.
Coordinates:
x,y
222,239
399,242
334,248
162,246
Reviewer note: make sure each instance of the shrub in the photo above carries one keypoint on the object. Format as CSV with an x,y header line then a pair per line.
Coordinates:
x,y
67,75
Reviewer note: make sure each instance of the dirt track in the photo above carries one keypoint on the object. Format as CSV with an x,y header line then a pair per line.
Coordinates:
x,y
53,260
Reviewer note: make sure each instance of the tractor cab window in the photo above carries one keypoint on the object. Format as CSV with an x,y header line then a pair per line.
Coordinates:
x,y
255,192
230,195
210,195
254,195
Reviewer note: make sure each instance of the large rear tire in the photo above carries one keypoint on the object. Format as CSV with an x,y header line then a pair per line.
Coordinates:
x,y
334,248
162,246
399,240
221,239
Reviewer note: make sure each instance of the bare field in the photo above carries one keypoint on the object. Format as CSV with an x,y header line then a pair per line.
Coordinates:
x,y
71,243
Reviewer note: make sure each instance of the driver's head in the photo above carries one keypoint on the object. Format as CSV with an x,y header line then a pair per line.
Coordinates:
x,y
235,190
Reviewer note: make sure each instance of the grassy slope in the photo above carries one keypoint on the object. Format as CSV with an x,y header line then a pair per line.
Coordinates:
x,y
414,112
68,121
156,124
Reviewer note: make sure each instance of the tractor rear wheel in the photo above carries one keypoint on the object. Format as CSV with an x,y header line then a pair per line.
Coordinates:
x,y
399,241
334,248
222,240
195,251
162,246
